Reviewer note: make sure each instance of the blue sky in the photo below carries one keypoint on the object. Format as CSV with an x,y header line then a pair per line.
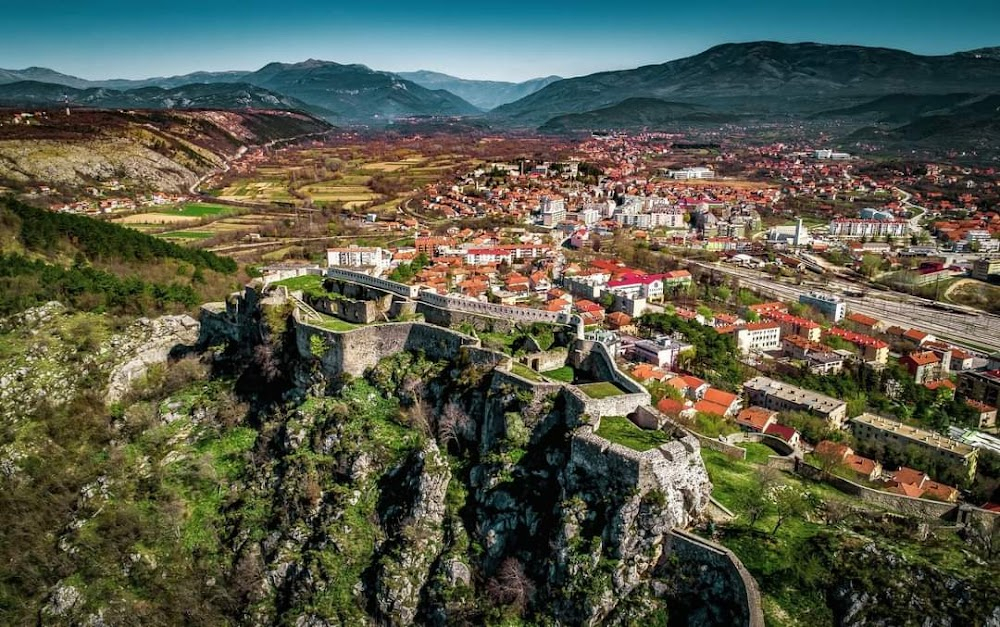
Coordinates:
x,y
494,40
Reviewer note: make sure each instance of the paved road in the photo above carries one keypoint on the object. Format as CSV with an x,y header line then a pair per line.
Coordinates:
x,y
978,331
915,227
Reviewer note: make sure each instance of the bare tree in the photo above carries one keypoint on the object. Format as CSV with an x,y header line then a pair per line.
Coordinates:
x,y
510,585
452,425
267,362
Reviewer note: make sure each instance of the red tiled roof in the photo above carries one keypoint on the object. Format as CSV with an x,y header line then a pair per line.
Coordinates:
x,y
915,334
708,407
924,358
755,417
857,339
909,475
862,319
693,382
783,432
943,383
860,465
906,489
719,397
670,406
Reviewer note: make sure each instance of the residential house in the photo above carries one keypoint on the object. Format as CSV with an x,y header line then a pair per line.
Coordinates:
x,y
696,388
730,403
786,433
864,324
864,467
916,484
818,357
918,337
756,419
648,372
961,360
922,365
621,322
986,415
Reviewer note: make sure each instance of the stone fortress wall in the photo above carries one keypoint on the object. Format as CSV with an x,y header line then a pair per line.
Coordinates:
x,y
715,558
673,468
456,304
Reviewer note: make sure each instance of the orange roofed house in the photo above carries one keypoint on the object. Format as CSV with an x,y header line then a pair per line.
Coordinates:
x,y
756,419
923,365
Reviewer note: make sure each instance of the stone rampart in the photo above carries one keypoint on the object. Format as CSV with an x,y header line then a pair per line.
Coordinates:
x,y
457,305
546,360
453,318
593,455
907,505
273,276
357,350
406,291
716,562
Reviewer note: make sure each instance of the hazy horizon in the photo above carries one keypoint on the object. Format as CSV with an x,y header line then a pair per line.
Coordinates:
x,y
108,39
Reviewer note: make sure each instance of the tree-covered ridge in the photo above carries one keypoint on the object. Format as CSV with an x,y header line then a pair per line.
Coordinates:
x,y
25,283
44,231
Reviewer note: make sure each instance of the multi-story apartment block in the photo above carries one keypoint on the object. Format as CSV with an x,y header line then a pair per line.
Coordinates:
x,y
857,228
833,307
553,211
794,325
771,394
870,430
872,349
358,257
980,386
755,337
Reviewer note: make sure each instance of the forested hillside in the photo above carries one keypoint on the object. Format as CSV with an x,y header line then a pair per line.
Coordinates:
x,y
91,265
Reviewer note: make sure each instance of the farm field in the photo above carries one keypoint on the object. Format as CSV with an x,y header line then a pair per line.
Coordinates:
x,y
338,176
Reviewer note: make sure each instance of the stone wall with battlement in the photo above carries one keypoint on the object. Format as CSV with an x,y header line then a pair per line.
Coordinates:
x,y
357,350
406,291
723,575
273,276
457,304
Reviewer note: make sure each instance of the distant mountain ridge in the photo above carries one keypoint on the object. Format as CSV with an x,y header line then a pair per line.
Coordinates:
x,y
636,114
763,76
486,95
756,80
356,92
339,93
196,96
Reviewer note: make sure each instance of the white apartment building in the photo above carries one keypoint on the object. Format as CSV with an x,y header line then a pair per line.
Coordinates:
x,y
553,211
756,337
691,173
358,257
854,228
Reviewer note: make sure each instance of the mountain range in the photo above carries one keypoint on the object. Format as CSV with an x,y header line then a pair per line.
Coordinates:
x,y
340,93
745,81
192,96
486,95
765,78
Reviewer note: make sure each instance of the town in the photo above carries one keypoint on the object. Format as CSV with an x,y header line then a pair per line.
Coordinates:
x,y
826,299
770,306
